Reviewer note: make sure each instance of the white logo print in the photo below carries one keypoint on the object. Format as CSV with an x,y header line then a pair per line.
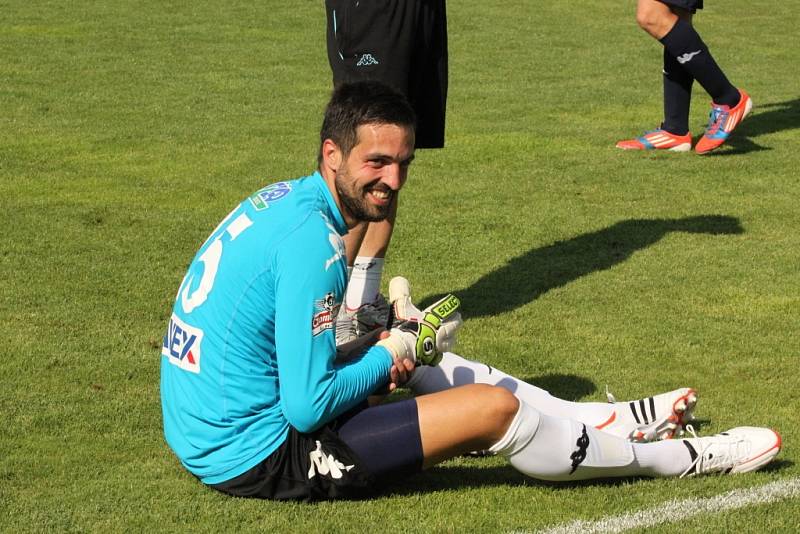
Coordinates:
x,y
686,58
366,60
336,243
325,464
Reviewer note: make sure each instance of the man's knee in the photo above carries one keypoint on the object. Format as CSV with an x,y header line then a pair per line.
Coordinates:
x,y
655,18
496,405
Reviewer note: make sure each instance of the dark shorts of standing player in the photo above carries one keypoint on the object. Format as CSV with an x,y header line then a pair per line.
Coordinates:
x,y
402,43
688,5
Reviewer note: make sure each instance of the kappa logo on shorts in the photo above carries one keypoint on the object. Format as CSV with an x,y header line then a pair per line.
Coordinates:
x,y
272,193
181,345
366,60
327,311
326,465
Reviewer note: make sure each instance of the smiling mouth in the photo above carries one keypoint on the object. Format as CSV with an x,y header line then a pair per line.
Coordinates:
x,y
382,195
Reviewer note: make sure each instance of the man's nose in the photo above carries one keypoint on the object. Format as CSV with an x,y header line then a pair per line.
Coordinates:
x,y
394,176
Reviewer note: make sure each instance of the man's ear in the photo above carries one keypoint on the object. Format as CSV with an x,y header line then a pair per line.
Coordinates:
x,y
331,155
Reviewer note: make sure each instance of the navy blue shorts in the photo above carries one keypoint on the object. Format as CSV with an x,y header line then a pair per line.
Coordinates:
x,y
402,43
344,459
688,5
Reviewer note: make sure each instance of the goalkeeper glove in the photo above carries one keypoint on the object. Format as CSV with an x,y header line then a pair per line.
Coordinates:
x,y
421,336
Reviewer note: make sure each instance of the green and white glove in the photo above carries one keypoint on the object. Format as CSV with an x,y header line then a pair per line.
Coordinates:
x,y
421,336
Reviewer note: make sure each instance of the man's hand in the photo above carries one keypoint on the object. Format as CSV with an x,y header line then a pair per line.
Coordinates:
x,y
422,336
400,373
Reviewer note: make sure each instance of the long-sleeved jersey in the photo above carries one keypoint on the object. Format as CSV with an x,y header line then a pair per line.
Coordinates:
x,y
250,346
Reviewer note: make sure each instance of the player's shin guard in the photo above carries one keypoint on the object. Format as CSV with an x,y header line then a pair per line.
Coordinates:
x,y
685,45
677,96
552,448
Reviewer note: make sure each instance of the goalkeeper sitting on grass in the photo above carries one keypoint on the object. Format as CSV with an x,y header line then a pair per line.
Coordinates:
x,y
257,401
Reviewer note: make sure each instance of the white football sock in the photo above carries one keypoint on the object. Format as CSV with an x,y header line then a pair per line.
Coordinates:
x,y
666,458
454,370
365,282
554,448
558,449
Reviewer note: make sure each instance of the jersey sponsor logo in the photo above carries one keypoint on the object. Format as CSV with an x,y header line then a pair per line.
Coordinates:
x,y
687,57
325,464
181,345
366,60
579,455
327,309
272,193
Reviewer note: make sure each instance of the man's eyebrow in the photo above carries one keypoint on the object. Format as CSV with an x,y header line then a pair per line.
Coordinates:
x,y
387,157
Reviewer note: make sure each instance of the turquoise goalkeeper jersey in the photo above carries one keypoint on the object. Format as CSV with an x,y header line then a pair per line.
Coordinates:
x,y
250,346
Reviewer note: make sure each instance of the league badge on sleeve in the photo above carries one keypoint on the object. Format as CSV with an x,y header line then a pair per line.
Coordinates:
x,y
326,310
272,193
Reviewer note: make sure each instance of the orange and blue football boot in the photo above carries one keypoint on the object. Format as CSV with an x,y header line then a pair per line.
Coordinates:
x,y
658,140
721,122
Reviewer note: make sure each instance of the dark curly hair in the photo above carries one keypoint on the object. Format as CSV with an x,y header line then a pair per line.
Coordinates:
x,y
355,104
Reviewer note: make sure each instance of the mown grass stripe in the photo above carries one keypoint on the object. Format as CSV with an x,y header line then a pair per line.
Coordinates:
x,y
740,498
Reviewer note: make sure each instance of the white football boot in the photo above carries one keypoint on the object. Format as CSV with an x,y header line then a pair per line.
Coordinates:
x,y
738,450
400,300
352,324
653,418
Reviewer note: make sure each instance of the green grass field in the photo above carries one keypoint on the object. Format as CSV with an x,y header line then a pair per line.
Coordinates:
x,y
128,130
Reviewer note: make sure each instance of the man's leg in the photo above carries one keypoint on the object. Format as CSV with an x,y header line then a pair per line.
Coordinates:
x,y
566,450
672,26
459,420
364,308
648,419
365,255
677,96
656,19
729,105
682,42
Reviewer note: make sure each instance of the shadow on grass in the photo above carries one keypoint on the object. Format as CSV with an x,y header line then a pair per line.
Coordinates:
x,y
766,119
525,278
567,387
457,477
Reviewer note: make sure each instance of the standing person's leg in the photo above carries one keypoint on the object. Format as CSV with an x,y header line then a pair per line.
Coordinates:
x,y
364,309
659,19
669,22
428,76
369,41
729,105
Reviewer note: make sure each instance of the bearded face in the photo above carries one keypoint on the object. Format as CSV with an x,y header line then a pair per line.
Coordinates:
x,y
368,179
359,200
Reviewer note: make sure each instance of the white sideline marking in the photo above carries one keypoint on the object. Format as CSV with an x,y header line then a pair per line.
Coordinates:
x,y
668,512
